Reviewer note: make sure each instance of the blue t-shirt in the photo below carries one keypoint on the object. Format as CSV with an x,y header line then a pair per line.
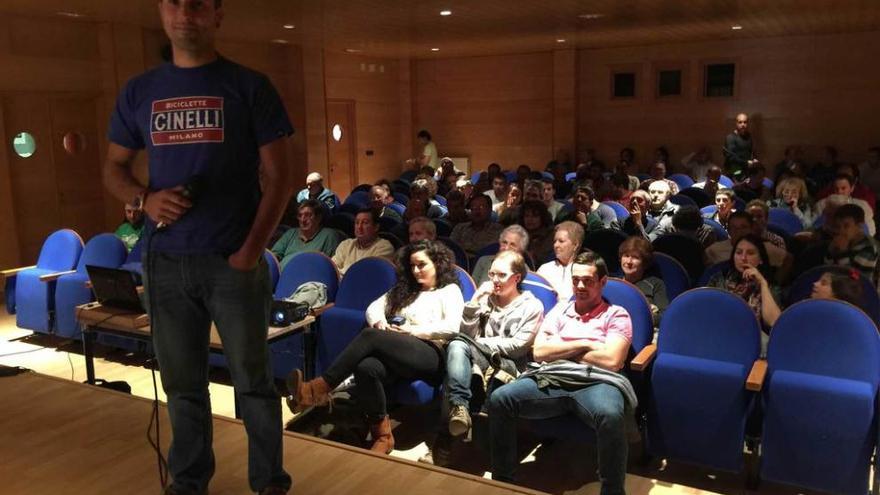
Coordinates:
x,y
210,122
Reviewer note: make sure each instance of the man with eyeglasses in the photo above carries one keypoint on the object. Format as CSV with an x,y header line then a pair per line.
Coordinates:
x,y
498,327
582,345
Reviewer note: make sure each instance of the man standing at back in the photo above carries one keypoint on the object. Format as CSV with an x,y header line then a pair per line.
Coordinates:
x,y
209,126
738,148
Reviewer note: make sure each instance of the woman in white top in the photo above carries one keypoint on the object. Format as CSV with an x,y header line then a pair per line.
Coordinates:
x,y
567,242
408,327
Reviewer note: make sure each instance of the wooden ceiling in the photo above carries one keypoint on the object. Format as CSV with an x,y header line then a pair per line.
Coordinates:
x,y
397,28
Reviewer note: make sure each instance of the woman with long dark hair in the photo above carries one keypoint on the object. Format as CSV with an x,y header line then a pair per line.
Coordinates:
x,y
408,327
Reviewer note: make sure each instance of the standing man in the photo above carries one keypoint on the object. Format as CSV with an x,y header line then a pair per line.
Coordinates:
x,y
210,127
738,150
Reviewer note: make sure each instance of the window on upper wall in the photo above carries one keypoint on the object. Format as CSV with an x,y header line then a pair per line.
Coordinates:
x,y
720,80
669,82
623,85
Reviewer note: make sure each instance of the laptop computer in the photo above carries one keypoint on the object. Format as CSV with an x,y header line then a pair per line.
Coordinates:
x,y
115,288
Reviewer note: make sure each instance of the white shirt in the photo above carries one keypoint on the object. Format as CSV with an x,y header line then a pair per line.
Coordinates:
x,y
559,276
435,314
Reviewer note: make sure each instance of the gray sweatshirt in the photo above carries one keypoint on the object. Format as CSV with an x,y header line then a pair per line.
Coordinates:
x,y
509,330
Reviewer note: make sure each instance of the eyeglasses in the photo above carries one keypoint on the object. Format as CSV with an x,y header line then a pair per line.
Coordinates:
x,y
586,281
499,275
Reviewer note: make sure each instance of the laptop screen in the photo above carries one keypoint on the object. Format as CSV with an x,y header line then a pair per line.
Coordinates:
x,y
115,288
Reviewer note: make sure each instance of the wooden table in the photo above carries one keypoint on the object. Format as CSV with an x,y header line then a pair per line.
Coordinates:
x,y
96,319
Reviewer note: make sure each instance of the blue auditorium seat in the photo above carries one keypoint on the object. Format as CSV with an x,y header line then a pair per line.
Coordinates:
x,y
802,288
720,232
31,300
105,250
683,181
786,220
461,258
468,287
273,266
619,210
605,243
820,398
673,274
708,342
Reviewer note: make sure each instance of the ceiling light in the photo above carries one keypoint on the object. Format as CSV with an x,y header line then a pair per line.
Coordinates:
x,y
70,14
591,17
736,27
560,40
352,50
435,49
288,26
280,41
445,13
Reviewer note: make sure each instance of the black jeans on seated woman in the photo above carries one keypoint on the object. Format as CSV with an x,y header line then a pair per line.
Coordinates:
x,y
382,357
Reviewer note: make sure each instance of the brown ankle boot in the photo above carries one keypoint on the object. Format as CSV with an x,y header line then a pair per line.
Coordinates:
x,y
305,394
383,439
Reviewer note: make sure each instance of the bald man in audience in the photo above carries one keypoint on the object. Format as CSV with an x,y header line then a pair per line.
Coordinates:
x,y
661,209
315,190
422,228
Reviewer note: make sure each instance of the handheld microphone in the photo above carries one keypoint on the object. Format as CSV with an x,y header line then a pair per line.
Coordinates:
x,y
194,188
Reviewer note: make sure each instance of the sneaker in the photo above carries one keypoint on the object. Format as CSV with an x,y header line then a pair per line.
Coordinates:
x,y
459,421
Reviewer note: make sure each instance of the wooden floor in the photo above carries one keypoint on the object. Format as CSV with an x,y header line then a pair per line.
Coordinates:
x,y
558,468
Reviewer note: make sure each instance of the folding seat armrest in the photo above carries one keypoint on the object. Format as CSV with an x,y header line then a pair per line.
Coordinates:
x,y
319,311
755,381
49,277
643,358
14,271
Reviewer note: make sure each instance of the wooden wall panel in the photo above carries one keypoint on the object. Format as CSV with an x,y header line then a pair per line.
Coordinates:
x,y
808,90
493,109
9,250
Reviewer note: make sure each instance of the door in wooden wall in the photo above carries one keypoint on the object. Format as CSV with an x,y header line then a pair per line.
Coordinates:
x,y
341,146
53,188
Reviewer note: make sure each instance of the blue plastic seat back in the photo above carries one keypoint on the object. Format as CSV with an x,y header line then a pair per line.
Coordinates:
x,y
308,267
708,210
698,195
274,268
488,250
785,219
725,181
710,272
622,293
826,337
510,175
687,250
802,288
342,221
720,232
682,200
710,324
364,282
104,250
619,210
466,283
673,274
401,199
820,395
683,181
136,253
461,257
60,251
440,199
541,289
362,188
399,207
358,198
605,243
570,177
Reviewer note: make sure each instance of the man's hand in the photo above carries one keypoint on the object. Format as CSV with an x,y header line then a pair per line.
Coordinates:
x,y
485,290
166,206
244,261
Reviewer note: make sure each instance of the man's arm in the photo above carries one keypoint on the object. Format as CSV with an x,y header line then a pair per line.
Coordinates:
x,y
551,350
610,356
164,206
276,195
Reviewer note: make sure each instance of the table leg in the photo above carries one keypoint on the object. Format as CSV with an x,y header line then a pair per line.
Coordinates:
x,y
309,351
88,340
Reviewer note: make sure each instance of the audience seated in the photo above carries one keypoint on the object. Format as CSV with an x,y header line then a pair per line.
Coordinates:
x,y
420,229
455,206
407,328
498,327
697,164
583,343
843,194
753,187
536,220
724,205
315,190
498,193
309,236
513,238
741,224
381,198
480,230
661,209
509,210
657,172
465,187
567,241
584,212
760,213
856,189
791,193
129,232
711,184
366,242
446,168
420,202
688,221
749,252
850,246
636,261
639,223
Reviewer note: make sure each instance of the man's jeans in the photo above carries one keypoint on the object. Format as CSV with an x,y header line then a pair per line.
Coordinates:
x,y
600,406
185,294
458,373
